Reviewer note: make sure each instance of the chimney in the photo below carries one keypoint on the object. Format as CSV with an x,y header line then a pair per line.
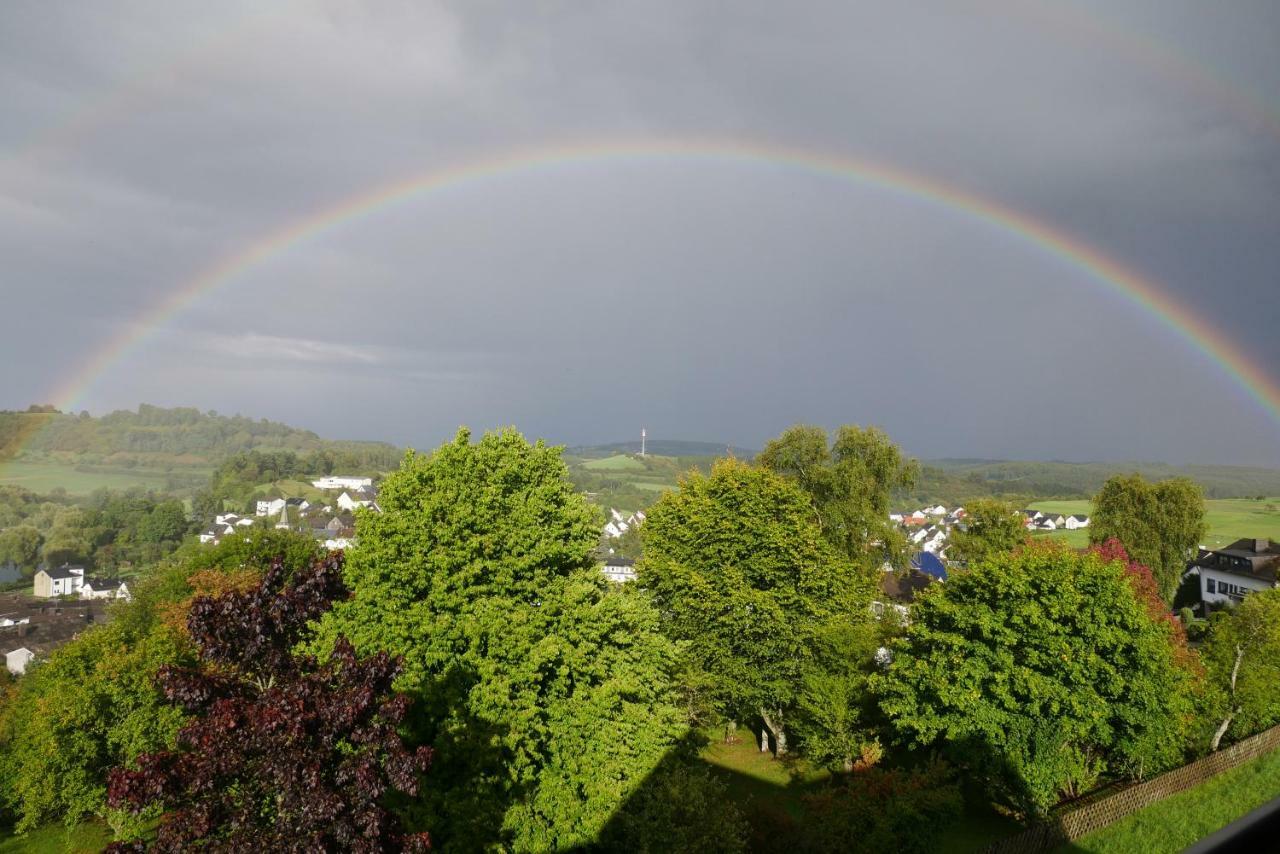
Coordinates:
x,y
1261,545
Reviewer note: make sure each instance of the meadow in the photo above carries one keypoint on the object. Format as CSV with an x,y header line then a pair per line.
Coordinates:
x,y
1229,519
43,476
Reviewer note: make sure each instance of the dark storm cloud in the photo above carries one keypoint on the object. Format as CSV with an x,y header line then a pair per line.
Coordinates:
x,y
144,142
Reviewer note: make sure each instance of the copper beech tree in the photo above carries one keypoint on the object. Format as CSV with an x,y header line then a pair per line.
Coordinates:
x,y
282,752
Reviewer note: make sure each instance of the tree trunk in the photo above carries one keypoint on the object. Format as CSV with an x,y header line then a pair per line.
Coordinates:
x,y
848,764
1226,723
1222,730
779,735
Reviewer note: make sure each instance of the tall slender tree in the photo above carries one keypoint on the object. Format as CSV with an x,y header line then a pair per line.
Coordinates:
x,y
1159,524
849,480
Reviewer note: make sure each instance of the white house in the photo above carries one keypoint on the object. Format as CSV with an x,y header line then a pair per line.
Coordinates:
x,y
17,660
346,502
619,569
104,588
1076,521
936,511
270,507
341,481
333,544
63,581
1228,575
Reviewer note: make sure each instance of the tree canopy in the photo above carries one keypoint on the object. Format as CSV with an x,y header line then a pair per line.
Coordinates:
x,y
1159,524
1042,670
546,696
280,752
990,527
742,573
850,483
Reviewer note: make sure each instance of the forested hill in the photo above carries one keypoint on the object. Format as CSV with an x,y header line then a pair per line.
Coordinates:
x,y
664,448
175,437
951,480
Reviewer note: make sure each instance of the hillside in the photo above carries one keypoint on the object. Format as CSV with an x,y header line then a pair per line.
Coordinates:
x,y
1082,480
170,449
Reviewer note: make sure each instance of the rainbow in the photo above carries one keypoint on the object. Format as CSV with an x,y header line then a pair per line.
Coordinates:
x,y
1050,241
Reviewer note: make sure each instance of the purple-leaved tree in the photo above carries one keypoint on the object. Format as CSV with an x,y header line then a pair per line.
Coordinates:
x,y
282,752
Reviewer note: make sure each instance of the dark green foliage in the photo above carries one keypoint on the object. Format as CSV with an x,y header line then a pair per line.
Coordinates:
x,y
680,809
875,810
1043,672
1159,524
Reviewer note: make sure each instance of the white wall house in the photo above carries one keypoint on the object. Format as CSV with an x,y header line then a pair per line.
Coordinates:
x,y
17,660
347,502
1244,567
619,569
63,581
1076,522
104,588
270,507
339,481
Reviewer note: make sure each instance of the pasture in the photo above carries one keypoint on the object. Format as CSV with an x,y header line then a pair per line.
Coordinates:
x,y
1228,519
617,462
42,477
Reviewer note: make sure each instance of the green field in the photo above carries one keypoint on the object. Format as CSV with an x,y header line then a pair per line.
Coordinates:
x,y
43,477
57,839
1182,819
1228,519
618,462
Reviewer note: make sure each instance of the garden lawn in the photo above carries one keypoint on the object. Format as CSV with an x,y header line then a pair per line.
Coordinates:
x,y
1182,819
58,839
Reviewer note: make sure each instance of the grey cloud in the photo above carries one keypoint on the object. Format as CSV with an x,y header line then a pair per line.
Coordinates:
x,y
146,143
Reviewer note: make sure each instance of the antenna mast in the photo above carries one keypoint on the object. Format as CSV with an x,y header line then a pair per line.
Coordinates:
x,y
642,437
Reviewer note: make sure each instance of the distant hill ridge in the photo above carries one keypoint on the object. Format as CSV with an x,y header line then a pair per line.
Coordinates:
x,y
664,448
174,436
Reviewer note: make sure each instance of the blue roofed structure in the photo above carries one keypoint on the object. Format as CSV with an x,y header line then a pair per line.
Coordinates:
x,y
930,564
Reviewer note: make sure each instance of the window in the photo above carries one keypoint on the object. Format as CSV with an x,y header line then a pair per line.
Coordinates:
x,y
1210,586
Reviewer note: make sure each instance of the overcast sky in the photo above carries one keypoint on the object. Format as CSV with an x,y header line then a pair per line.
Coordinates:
x,y
703,298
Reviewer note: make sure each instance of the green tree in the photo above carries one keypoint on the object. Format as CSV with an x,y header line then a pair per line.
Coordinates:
x,y
1159,524
1242,659
21,545
836,718
990,527
850,483
91,706
167,522
546,696
743,575
1043,670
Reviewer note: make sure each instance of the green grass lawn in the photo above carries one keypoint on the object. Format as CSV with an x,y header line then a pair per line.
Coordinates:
x,y
618,462
57,839
1182,819
41,477
1228,519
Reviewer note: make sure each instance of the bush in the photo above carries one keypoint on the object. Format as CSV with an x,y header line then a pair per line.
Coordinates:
x,y
883,810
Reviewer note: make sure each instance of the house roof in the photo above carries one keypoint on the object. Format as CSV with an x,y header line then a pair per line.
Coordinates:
x,y
1260,556
64,571
1082,517
619,561
903,586
101,583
